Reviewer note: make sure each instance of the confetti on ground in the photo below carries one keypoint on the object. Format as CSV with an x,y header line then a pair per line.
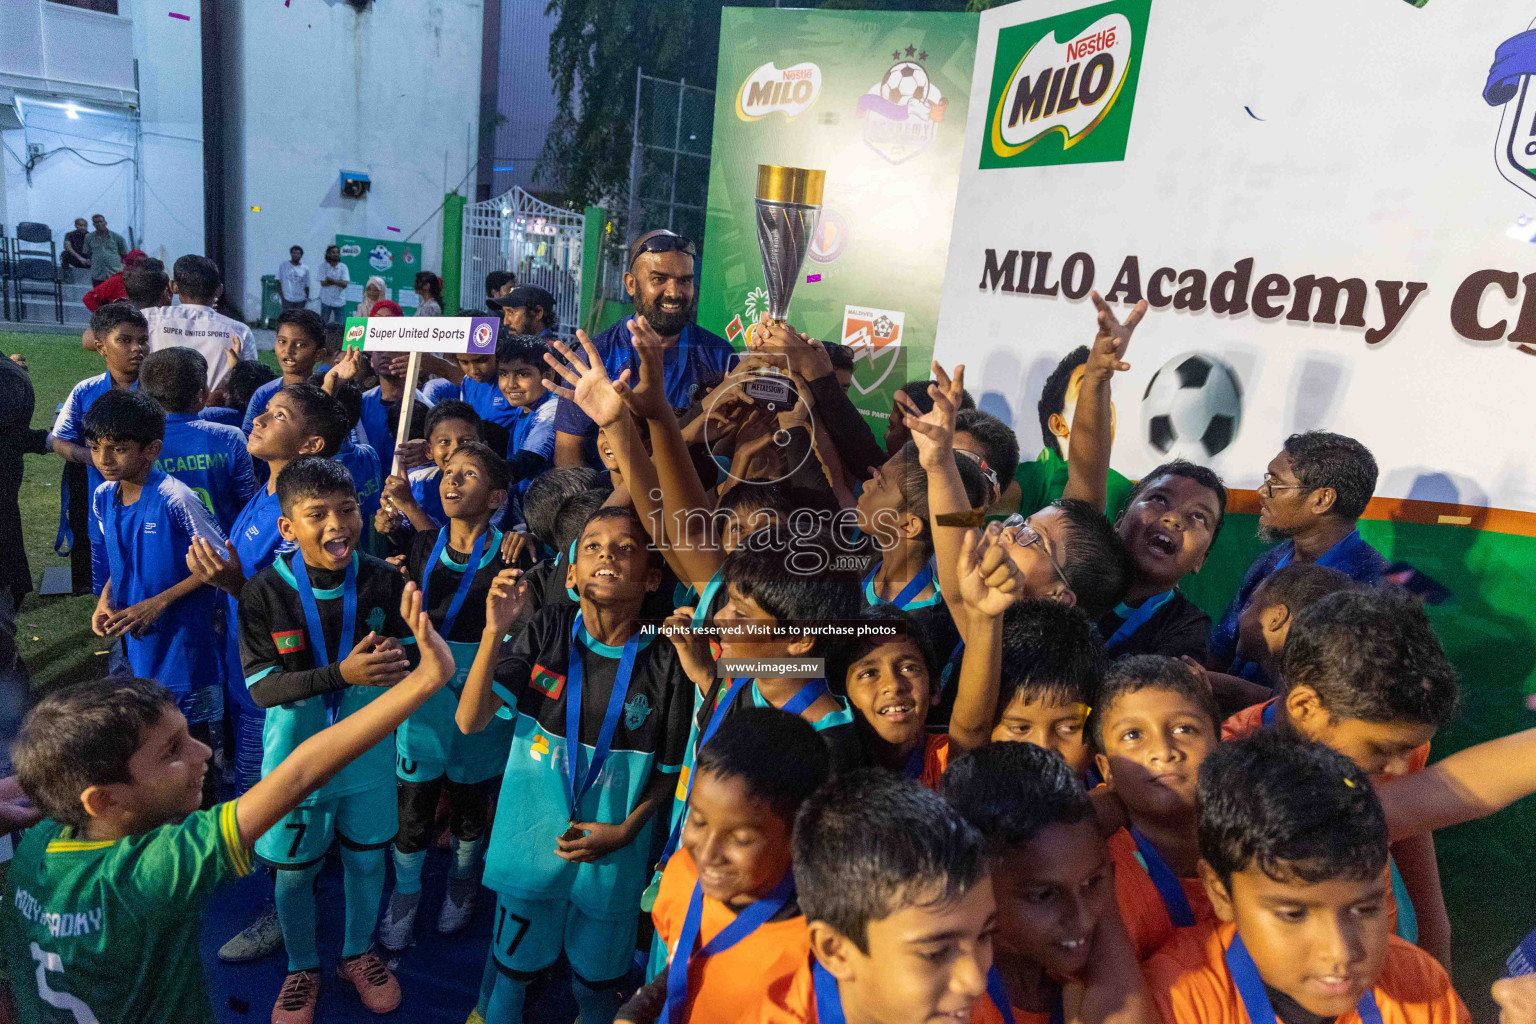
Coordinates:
x,y
395,230
1251,114
812,278
181,17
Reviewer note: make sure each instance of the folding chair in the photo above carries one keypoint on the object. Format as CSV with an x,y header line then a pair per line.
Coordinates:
x,y
34,269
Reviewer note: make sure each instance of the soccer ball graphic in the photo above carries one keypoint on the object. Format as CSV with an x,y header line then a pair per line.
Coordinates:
x,y
904,82
1192,407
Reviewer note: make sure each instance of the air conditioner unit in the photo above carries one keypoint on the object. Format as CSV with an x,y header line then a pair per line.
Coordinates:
x,y
355,184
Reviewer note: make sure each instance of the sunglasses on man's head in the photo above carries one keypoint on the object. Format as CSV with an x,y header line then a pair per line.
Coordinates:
x,y
665,243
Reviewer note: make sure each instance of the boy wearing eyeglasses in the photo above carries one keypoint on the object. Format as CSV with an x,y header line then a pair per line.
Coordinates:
x,y
1313,494
660,277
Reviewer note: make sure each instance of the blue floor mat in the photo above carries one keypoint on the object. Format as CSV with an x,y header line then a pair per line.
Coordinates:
x,y
439,975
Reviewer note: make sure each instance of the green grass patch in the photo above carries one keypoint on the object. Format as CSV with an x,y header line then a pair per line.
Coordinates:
x,y
54,633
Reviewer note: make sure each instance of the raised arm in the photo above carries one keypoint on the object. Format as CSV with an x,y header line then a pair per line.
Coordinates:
x,y
949,509
321,756
989,585
503,604
1469,784
1093,421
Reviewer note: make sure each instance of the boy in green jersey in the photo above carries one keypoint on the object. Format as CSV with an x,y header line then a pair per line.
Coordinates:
x,y
104,898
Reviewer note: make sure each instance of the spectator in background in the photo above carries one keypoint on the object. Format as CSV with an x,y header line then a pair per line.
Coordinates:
x,y
221,340
293,280
499,283
105,249
527,309
74,249
334,279
429,294
113,289
143,282
373,294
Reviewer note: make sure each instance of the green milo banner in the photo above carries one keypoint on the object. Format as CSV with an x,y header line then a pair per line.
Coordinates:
x,y
877,101
396,262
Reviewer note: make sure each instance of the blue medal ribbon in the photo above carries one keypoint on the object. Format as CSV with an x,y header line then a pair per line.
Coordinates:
x,y
915,586
804,698
1168,887
605,733
999,997
829,1003
706,598
1135,618
912,767
471,568
747,922
313,627
723,701
1267,716
1250,988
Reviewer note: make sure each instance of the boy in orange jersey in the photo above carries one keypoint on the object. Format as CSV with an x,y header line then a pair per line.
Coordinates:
x,y
1061,952
1293,847
898,904
726,909
1364,673
889,679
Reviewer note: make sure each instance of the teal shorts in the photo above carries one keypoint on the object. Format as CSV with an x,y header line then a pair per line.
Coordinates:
x,y
429,745
363,821
528,936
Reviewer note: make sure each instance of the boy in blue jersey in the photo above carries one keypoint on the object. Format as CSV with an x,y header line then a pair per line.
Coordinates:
x,y
472,378
208,457
432,755
299,348
122,336
125,855
147,521
600,711
361,461
415,496
381,405
304,661
521,376
300,420
227,402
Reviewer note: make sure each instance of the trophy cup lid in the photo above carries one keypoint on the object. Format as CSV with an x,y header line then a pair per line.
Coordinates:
x,y
790,184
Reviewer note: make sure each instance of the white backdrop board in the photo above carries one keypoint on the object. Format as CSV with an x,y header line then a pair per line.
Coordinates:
x,y
1267,148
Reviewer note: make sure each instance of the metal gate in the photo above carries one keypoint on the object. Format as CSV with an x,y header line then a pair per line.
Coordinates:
x,y
538,242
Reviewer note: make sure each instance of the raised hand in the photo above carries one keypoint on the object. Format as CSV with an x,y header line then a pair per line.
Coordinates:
x,y
505,600
376,661
436,658
934,431
220,568
647,397
806,356
413,454
513,543
589,385
989,581
692,647
1108,353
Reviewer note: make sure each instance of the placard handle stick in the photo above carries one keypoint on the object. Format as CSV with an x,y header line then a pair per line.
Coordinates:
x,y
413,367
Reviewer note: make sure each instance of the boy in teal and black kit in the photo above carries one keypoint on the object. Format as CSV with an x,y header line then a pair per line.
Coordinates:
x,y
601,712
454,566
320,639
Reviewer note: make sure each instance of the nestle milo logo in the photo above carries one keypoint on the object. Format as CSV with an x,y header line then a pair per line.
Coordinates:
x,y
789,91
355,332
1064,87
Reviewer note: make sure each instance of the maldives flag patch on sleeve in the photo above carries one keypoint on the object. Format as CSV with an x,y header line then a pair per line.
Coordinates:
x,y
290,642
550,684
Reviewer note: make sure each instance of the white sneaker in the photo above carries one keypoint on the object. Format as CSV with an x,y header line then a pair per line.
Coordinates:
x,y
458,905
399,920
260,938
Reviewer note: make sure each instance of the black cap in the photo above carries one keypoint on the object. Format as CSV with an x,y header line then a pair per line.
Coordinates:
x,y
524,295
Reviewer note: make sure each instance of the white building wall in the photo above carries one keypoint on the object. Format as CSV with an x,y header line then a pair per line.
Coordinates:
x,y
133,151
319,87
